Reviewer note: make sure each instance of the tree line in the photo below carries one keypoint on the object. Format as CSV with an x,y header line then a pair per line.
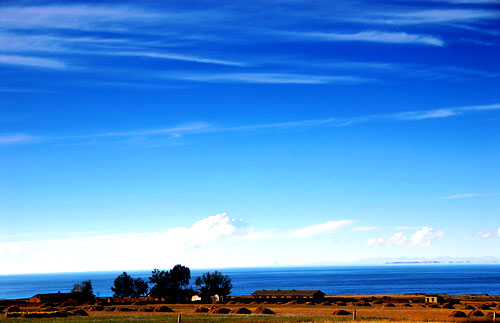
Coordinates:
x,y
172,284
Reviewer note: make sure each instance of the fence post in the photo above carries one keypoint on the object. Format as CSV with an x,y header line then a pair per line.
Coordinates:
x,y
354,315
494,316
179,318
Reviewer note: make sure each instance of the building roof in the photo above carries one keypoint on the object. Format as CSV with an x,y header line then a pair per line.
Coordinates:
x,y
58,296
286,292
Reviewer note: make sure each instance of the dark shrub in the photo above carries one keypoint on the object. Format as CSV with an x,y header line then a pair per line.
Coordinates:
x,y
79,312
458,314
263,310
243,310
201,309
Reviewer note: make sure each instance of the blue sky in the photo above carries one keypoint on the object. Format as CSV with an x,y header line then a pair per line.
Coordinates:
x,y
277,132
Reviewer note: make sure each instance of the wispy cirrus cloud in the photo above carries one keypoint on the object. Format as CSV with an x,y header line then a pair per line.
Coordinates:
x,y
369,36
320,229
80,17
362,229
466,195
433,16
198,128
271,78
180,57
96,46
32,61
10,139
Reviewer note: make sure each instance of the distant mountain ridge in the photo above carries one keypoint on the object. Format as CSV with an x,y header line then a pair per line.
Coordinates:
x,y
437,260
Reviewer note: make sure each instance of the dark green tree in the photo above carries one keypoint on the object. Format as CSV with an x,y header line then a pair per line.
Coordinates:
x,y
161,283
123,286
140,288
83,291
210,284
84,287
170,284
180,276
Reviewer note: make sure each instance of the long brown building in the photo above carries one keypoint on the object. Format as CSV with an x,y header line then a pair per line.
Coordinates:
x,y
288,294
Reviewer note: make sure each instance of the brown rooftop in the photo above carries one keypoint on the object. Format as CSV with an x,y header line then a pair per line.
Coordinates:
x,y
287,292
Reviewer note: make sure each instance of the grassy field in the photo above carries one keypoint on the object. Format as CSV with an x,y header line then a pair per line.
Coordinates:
x,y
374,309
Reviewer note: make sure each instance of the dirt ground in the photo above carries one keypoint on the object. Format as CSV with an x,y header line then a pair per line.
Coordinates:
x,y
365,306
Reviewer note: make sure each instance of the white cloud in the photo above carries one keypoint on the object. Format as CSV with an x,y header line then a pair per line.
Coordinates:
x,y
272,78
466,195
371,36
375,242
433,114
436,16
201,128
119,252
407,228
32,61
323,228
179,57
485,235
398,239
425,236
364,228
75,17
16,139
498,232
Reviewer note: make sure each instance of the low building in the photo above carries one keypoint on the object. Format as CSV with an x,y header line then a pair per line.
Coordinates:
x,y
288,294
433,299
59,297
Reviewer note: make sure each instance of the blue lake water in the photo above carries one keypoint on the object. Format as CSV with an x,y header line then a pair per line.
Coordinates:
x,y
381,279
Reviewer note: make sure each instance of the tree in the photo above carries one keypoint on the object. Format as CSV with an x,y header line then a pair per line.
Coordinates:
x,y
84,287
83,291
140,288
214,283
161,283
180,276
170,283
126,286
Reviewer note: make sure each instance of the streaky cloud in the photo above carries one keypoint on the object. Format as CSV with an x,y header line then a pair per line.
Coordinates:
x,y
435,16
32,61
272,78
8,139
81,17
363,229
180,57
466,195
370,36
320,229
199,128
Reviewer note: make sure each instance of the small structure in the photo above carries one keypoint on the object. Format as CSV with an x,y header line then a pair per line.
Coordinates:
x,y
288,294
195,298
436,299
56,297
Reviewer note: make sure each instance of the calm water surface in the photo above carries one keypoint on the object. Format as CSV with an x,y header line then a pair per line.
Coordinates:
x,y
382,279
